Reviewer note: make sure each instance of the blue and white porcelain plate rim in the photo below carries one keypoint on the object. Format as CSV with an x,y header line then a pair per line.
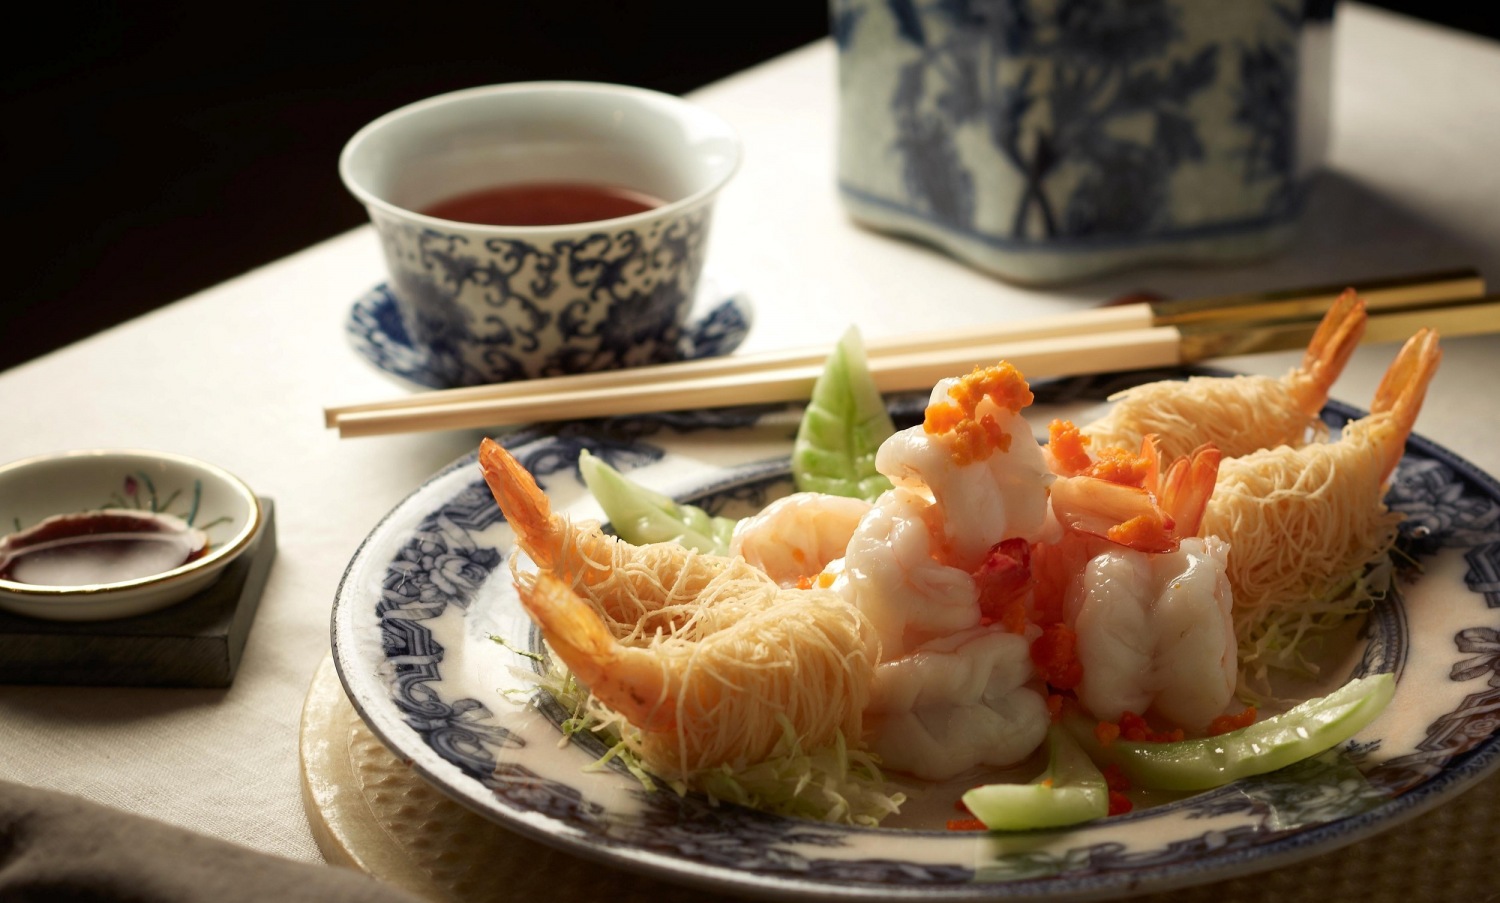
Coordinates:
x,y
395,357
837,861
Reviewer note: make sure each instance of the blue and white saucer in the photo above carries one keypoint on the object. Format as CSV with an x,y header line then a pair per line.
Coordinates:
x,y
721,320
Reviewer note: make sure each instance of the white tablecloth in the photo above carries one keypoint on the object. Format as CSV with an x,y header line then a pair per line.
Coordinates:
x,y
238,375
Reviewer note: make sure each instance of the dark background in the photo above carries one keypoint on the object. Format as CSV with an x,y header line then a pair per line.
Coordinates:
x,y
152,149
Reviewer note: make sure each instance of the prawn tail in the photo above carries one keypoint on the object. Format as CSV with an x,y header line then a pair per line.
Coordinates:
x,y
1128,515
1403,388
1151,461
522,501
1187,486
1334,341
617,675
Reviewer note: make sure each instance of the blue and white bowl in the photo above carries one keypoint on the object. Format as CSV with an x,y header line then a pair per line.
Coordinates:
x,y
1051,140
496,303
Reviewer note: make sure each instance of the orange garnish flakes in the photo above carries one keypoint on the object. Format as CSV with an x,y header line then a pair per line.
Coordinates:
x,y
975,438
1068,448
1226,723
1055,655
822,581
1115,779
966,824
1119,785
1134,728
1147,532
1120,466
1001,383
941,417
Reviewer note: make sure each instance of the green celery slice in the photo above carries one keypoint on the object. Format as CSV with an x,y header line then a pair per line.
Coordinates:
x,y
842,428
1299,733
1070,791
641,516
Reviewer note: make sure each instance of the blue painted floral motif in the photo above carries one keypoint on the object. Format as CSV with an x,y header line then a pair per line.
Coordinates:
x,y
1103,858
1443,511
509,309
1116,131
1472,723
843,19
1107,61
1311,792
717,333
440,565
378,334
530,793
1266,106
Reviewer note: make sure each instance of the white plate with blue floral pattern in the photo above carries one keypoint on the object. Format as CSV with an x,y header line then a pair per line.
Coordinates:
x,y
422,599
720,320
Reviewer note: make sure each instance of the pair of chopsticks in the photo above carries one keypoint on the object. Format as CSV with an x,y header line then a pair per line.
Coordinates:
x,y
1126,337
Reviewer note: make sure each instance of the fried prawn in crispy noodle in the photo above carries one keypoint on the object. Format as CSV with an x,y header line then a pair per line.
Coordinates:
x,y
1303,523
1237,414
703,661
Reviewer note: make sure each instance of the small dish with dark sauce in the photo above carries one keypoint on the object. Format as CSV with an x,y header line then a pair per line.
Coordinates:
x,y
99,534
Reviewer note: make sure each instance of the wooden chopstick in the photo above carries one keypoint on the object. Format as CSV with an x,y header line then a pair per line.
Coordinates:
x,y
1120,349
1378,294
1125,349
1093,320
1305,302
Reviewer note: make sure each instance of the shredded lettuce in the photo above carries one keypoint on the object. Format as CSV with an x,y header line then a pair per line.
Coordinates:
x,y
1288,641
834,784
842,428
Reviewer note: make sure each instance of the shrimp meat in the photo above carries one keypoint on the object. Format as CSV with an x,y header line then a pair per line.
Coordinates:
x,y
1238,414
704,658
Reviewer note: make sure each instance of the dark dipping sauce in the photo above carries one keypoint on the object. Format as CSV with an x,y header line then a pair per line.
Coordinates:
x,y
543,204
94,547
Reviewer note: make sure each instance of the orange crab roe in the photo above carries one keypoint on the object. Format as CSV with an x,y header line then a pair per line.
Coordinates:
x,y
1119,786
1068,447
1055,655
1226,723
976,437
1136,728
1120,466
1147,532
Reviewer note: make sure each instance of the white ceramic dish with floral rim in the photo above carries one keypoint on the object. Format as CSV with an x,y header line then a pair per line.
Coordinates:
x,y
419,607
85,521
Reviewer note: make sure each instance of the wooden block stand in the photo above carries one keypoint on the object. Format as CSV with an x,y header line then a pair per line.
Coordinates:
x,y
195,643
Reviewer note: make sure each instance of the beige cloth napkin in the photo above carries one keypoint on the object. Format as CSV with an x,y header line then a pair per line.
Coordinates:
x,y
56,847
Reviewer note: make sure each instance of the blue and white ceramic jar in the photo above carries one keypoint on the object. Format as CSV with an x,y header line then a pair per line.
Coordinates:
x,y
1051,140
